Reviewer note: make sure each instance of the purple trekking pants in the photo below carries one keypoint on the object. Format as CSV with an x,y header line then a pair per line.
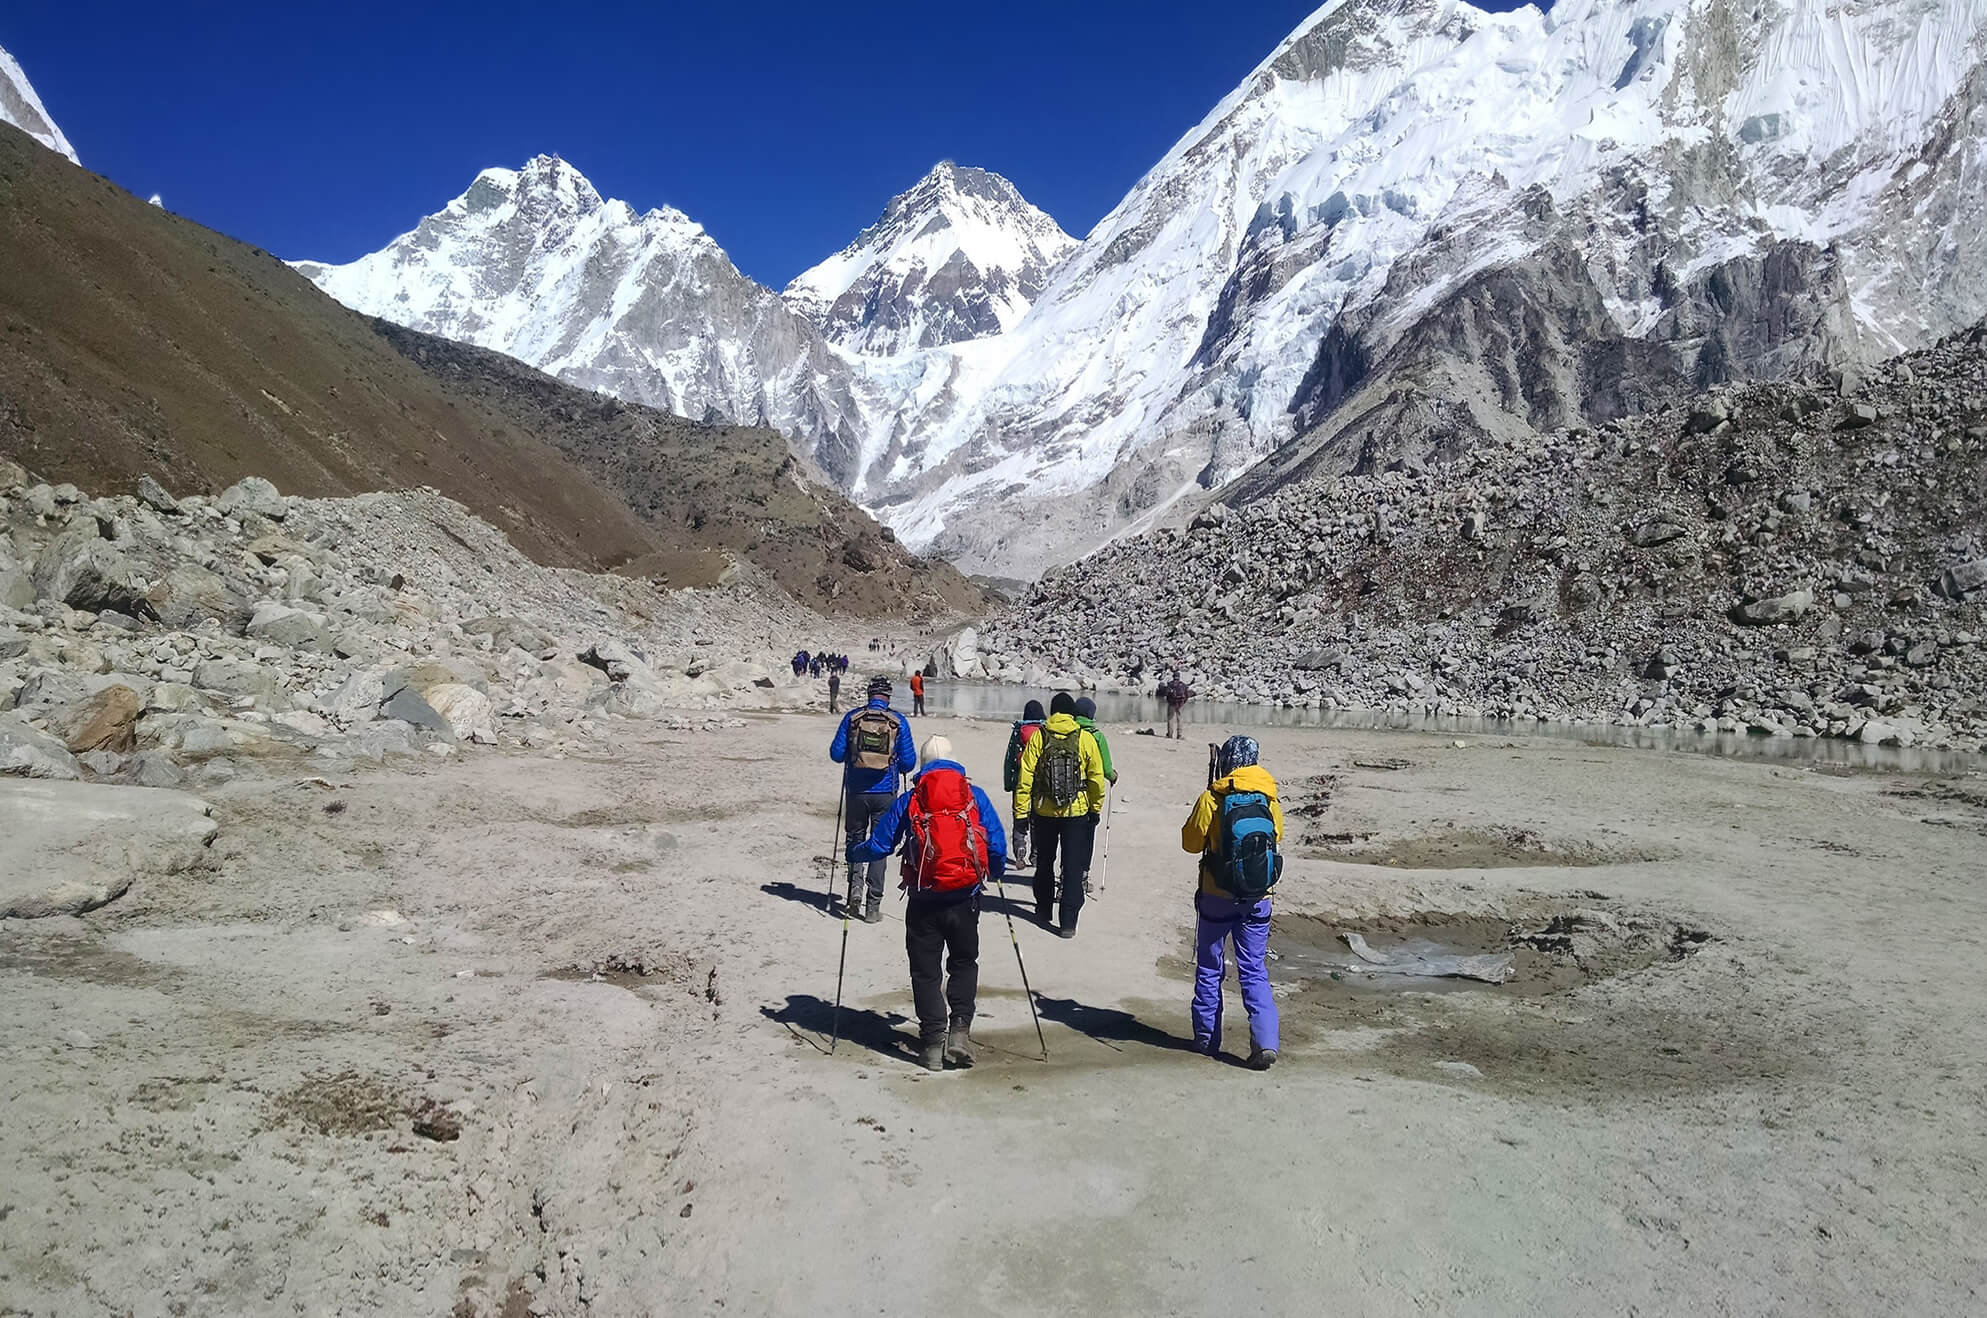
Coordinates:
x,y
1220,920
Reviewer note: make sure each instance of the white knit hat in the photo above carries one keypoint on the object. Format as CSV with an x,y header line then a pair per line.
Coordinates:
x,y
936,747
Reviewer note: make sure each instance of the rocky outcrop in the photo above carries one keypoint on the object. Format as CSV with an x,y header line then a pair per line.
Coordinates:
x,y
1805,559
72,847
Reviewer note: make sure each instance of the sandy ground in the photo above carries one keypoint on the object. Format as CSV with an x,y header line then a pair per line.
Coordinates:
x,y
354,1070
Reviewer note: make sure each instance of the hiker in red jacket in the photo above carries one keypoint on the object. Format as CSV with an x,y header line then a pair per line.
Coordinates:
x,y
953,843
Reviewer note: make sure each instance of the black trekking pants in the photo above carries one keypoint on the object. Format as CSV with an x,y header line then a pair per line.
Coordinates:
x,y
950,930
1075,838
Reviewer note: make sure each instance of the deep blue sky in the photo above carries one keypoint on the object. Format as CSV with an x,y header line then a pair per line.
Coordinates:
x,y
323,130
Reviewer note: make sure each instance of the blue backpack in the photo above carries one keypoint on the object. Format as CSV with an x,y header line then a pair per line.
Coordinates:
x,y
1248,864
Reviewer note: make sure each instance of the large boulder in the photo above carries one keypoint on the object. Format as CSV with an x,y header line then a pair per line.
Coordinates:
x,y
107,721
1780,608
72,847
85,572
198,737
242,677
357,699
506,633
150,769
466,710
426,674
1648,535
53,687
16,588
191,594
296,629
252,494
154,495
409,706
1963,578
620,661
635,700
961,655
28,752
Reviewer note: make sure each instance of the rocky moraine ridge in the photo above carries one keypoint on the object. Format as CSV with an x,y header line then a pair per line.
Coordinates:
x,y
162,642
1796,559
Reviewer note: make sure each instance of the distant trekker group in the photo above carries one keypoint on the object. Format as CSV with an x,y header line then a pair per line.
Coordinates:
x,y
819,663
1058,774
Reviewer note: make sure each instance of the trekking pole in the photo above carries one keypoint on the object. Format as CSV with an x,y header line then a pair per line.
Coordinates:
x,y
835,847
1104,861
835,1030
1008,911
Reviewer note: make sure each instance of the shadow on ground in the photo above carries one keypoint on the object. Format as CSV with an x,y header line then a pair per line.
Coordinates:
x,y
814,1021
1109,1026
793,892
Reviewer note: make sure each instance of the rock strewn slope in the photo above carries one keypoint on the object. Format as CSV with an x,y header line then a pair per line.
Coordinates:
x,y
150,640
1789,559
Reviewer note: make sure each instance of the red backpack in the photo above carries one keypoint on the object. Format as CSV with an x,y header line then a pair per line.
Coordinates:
x,y
948,846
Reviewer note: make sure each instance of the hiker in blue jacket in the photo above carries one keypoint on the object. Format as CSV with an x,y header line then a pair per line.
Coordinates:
x,y
874,747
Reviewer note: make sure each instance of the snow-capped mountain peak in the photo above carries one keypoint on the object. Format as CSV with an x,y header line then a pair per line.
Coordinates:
x,y
1536,218
533,262
20,107
962,255
1725,188
546,185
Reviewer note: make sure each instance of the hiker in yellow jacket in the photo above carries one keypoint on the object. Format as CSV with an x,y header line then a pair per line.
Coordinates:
x,y
1232,900
1060,792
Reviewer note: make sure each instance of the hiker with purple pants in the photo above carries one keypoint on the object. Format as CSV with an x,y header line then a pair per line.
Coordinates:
x,y
1240,810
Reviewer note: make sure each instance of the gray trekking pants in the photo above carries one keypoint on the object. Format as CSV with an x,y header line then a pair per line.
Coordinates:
x,y
861,810
1173,720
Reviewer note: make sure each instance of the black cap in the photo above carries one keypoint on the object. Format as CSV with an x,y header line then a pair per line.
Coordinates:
x,y
1086,707
1063,703
1032,712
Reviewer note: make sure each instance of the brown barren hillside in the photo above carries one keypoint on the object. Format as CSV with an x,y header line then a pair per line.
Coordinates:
x,y
707,490
132,340
135,341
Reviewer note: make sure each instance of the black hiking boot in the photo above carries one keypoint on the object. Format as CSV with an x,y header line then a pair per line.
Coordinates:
x,y
1262,1059
958,1048
933,1057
